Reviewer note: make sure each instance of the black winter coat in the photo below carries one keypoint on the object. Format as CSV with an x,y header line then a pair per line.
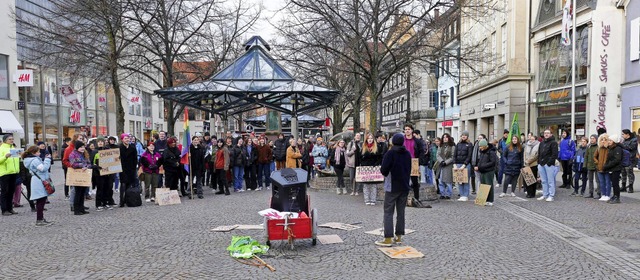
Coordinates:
x,y
397,163
129,161
487,159
238,156
252,158
514,161
197,159
548,152
171,159
464,151
280,149
371,159
614,159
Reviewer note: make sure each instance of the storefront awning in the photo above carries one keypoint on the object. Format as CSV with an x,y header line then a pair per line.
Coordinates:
x,y
10,124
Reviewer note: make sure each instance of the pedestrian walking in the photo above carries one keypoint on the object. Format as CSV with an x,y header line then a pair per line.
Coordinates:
x,y
513,159
547,169
40,170
445,164
396,167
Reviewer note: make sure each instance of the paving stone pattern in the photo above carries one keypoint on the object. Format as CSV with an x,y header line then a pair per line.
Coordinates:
x,y
459,239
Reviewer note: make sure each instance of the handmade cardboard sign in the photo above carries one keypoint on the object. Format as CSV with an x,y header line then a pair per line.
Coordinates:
x,y
415,167
380,231
224,228
78,177
110,161
366,174
251,227
483,193
460,175
342,226
330,239
402,252
16,152
164,196
527,175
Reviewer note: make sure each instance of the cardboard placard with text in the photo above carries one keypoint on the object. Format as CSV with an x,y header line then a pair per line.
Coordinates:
x,y
527,175
110,161
460,175
415,167
78,177
165,196
366,174
483,193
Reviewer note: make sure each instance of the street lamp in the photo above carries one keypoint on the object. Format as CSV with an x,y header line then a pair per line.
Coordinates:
x,y
444,97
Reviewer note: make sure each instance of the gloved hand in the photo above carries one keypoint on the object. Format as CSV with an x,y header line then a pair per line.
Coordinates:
x,y
153,166
443,163
95,166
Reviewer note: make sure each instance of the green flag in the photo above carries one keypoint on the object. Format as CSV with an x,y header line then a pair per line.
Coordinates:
x,y
515,128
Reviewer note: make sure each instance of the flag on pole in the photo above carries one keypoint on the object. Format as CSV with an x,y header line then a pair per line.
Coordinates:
x,y
186,141
515,129
567,17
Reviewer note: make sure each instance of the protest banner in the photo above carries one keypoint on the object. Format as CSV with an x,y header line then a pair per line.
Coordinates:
x,y
483,193
527,175
368,174
78,177
460,175
165,196
415,167
110,161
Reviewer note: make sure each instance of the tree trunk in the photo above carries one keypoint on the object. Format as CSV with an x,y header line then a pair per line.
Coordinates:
x,y
171,123
373,107
337,118
118,94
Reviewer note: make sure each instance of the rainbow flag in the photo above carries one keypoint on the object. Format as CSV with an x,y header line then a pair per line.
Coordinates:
x,y
186,141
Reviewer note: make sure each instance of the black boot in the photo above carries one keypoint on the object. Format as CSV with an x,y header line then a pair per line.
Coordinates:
x,y
226,190
614,200
630,189
624,187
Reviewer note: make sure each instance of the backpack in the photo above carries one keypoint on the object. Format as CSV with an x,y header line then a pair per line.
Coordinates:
x,y
626,158
132,197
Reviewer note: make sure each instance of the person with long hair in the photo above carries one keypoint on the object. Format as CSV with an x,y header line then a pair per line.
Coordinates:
x,y
265,154
531,160
104,191
371,156
445,159
433,161
337,159
487,164
462,160
171,163
591,167
151,161
293,155
222,166
613,166
354,152
513,158
40,170
79,159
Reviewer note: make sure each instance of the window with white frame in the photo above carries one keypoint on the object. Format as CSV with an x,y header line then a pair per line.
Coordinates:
x,y
4,77
634,41
493,49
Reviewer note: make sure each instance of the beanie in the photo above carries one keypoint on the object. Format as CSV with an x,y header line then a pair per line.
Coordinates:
x,y
594,136
78,144
398,139
614,137
40,143
465,133
207,133
4,137
483,143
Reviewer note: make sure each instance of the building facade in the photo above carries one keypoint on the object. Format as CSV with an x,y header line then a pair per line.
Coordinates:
x,y
8,66
447,73
598,65
631,84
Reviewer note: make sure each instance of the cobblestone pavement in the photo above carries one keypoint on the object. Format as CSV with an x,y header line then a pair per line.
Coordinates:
x,y
515,239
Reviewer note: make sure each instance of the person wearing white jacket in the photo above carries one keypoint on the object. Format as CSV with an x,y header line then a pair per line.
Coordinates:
x,y
40,170
354,151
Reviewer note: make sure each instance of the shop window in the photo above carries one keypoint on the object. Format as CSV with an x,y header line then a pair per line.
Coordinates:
x,y
635,120
4,77
555,61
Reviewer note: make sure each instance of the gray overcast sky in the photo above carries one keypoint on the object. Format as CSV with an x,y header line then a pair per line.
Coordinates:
x,y
272,12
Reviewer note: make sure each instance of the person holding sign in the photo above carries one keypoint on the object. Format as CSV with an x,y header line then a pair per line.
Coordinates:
x,y
371,156
415,147
78,159
513,163
531,161
9,169
462,158
104,183
40,168
487,161
445,158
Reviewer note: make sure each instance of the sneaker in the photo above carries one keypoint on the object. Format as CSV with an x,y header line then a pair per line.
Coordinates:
x,y
148,200
241,190
66,197
603,198
573,194
397,239
542,198
116,191
268,188
152,199
40,223
100,209
488,204
463,198
513,194
497,185
549,199
47,222
109,207
502,195
473,192
259,189
387,242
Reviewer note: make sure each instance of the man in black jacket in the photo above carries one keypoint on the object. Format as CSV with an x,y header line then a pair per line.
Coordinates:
x,y
547,169
196,166
129,161
461,160
280,151
630,143
415,147
238,159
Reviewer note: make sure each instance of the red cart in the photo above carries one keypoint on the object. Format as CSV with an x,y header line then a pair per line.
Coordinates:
x,y
291,229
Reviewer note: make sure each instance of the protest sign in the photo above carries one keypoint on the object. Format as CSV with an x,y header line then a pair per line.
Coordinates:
x,y
367,174
460,175
165,196
110,161
78,177
527,175
483,193
415,167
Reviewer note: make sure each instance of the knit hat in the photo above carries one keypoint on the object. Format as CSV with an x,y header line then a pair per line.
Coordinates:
x,y
40,143
465,133
483,143
4,137
594,136
398,139
112,138
171,141
78,144
100,139
614,137
207,133
505,131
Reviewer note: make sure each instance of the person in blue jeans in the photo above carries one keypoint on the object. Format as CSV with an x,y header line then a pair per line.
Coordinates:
x,y
502,144
239,159
567,151
600,158
579,166
547,169
462,160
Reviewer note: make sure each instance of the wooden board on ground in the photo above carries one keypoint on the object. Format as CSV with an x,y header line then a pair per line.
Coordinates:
x,y
342,226
224,228
368,174
483,193
528,176
380,231
110,161
415,167
78,177
402,252
164,196
256,227
330,239
460,175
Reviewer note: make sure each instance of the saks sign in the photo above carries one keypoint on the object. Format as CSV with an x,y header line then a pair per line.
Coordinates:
x,y
24,78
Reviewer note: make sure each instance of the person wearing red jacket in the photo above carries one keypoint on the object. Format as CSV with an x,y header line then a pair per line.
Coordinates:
x,y
264,163
70,192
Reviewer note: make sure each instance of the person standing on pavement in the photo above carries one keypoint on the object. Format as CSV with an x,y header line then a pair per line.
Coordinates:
x,y
196,165
354,152
502,145
151,161
531,160
9,169
239,160
116,177
425,162
264,168
212,178
371,156
65,145
39,167
78,159
513,159
251,169
396,167
600,158
293,155
579,166
613,166
222,167
337,159
474,163
161,144
65,162
129,161
320,154
487,164
435,164
171,163
445,164
629,143
567,151
415,147
591,167
547,169
462,160
280,151
104,183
